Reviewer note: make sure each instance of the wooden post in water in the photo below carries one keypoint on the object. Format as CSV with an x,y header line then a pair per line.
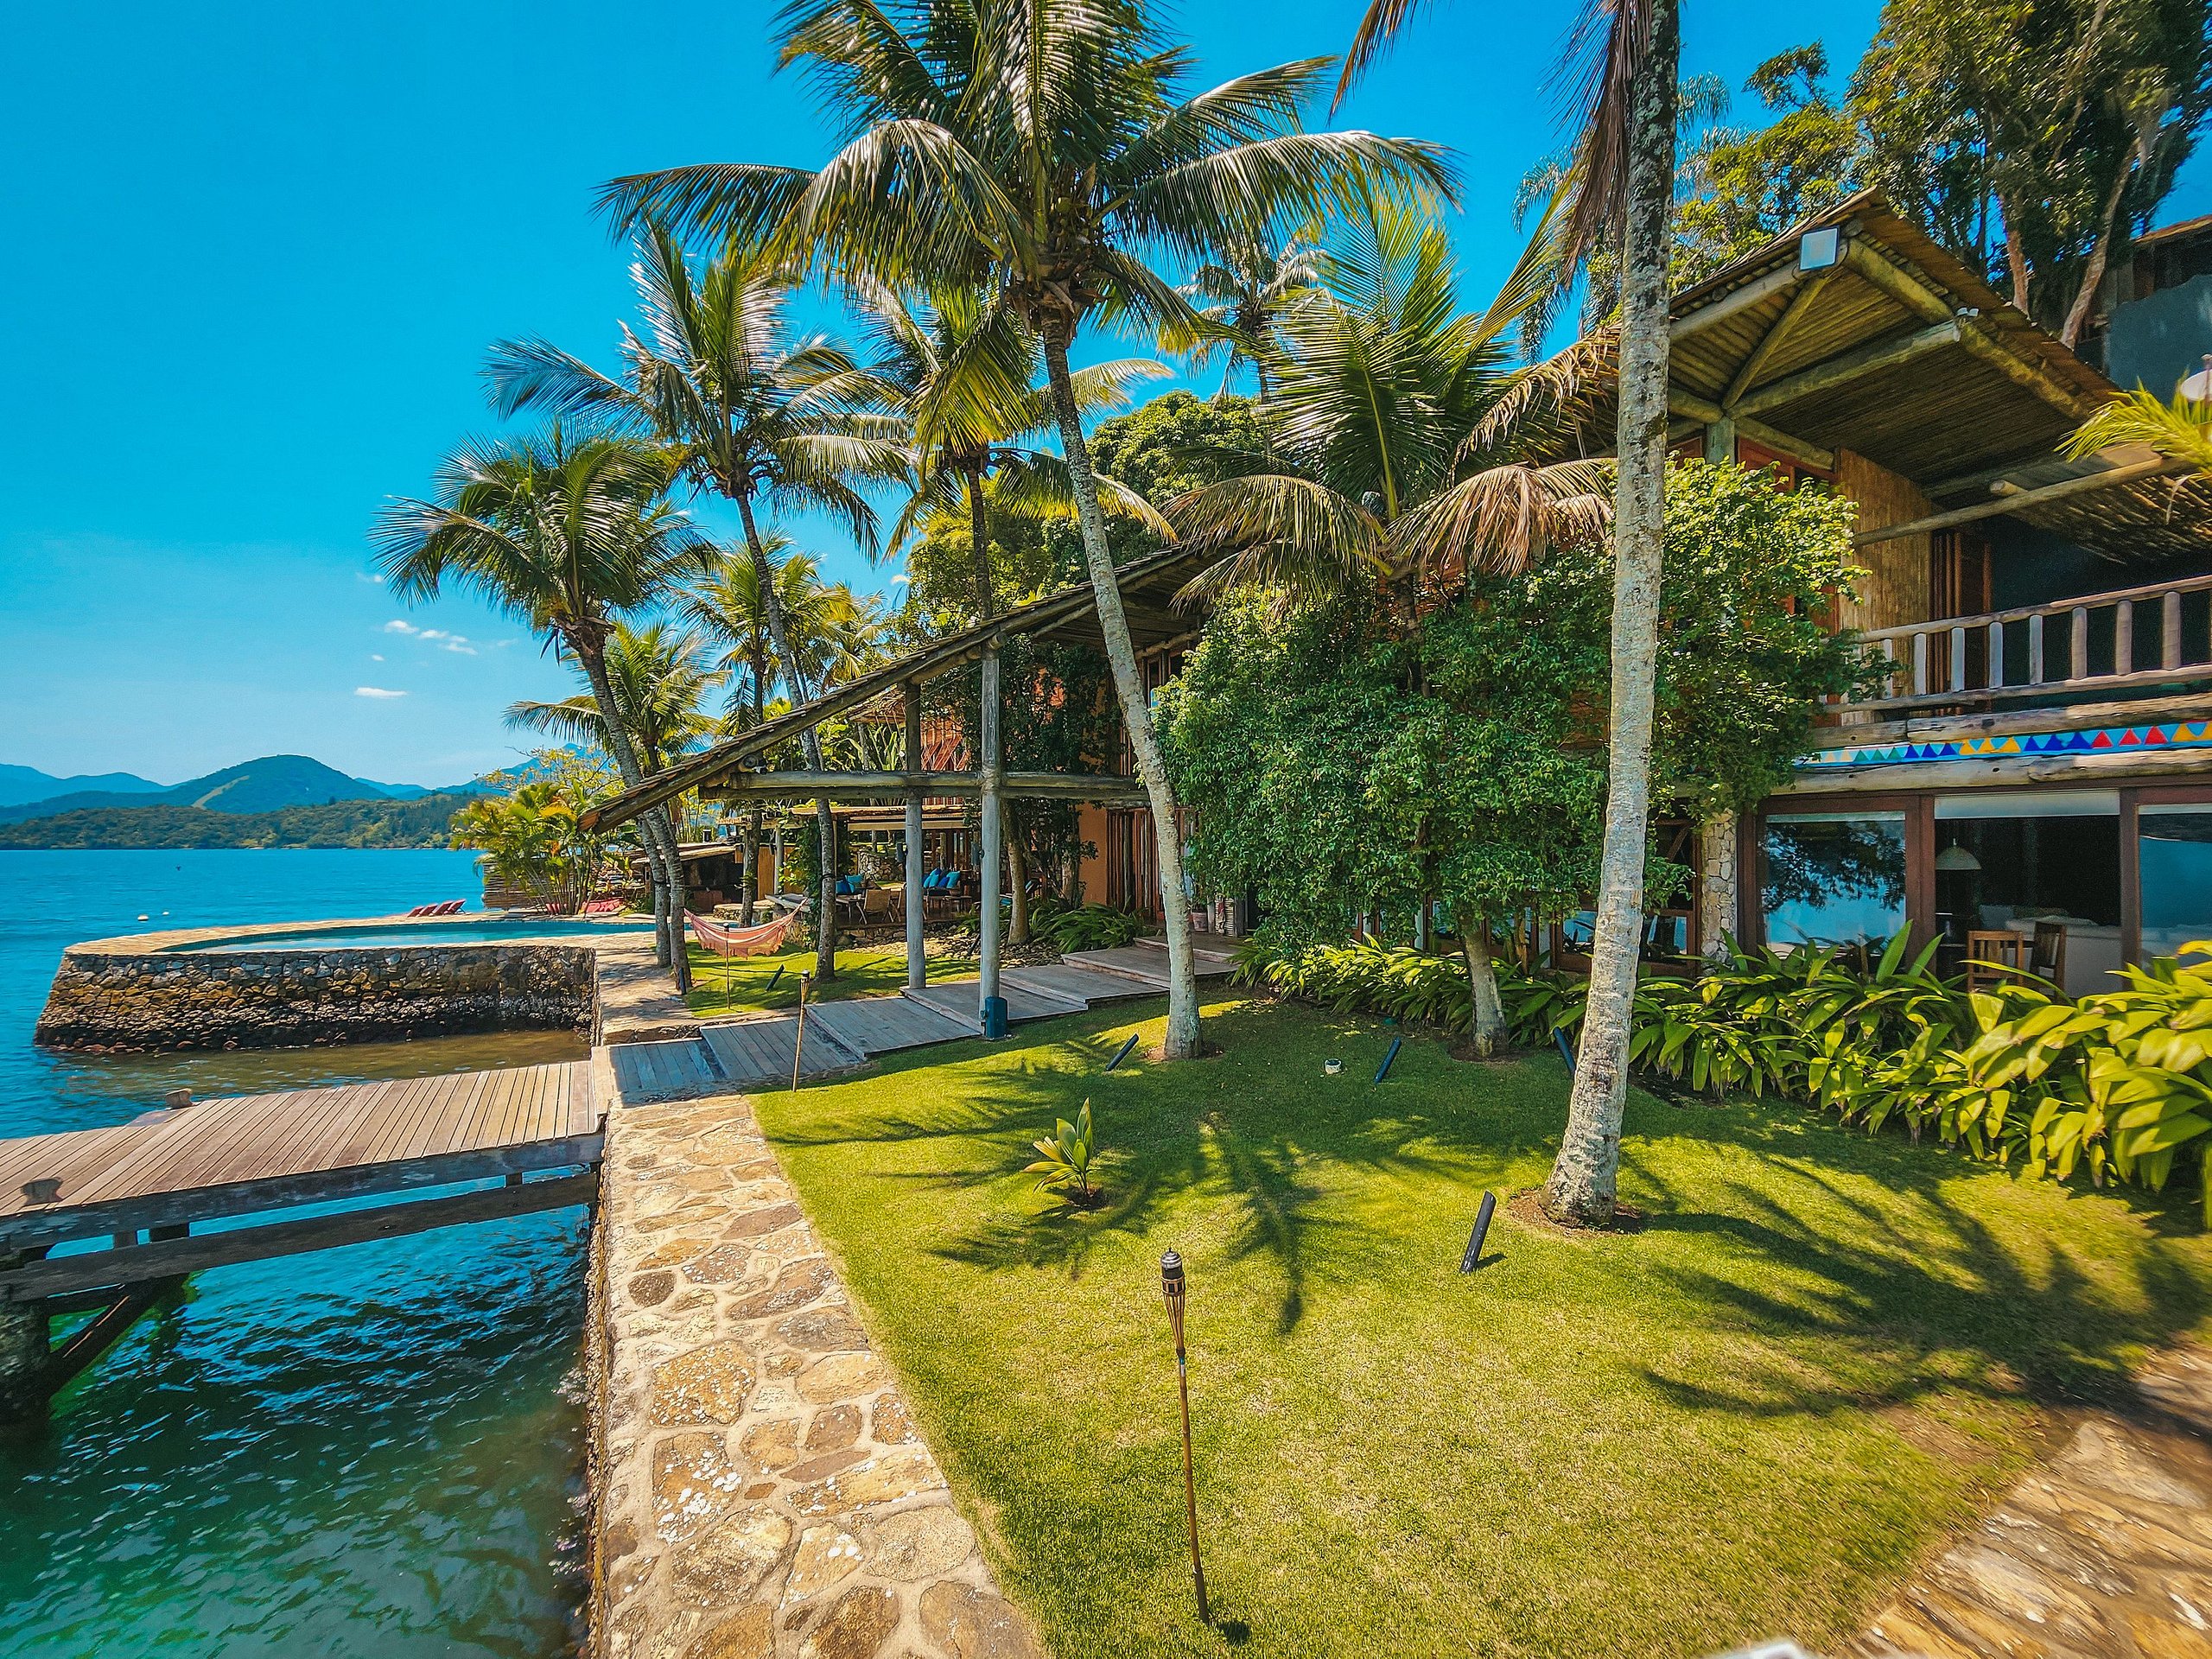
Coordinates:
x,y
917,965
24,1354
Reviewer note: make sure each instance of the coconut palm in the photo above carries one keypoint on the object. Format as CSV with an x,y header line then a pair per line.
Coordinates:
x,y
1625,60
1381,468
565,533
661,682
2180,430
774,421
1244,291
967,373
731,603
1045,148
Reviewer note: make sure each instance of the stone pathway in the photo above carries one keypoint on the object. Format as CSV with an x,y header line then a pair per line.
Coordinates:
x,y
2106,1553
761,1491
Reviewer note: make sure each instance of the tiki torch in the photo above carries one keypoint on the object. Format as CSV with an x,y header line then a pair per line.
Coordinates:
x,y
1170,1291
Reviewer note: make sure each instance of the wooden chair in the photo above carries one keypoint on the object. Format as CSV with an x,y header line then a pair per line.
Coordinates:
x,y
2047,958
1994,955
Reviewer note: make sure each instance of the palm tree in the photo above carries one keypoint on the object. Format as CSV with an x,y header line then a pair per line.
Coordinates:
x,y
773,420
1382,469
660,685
2180,430
1626,56
1045,148
1244,292
731,603
565,533
968,372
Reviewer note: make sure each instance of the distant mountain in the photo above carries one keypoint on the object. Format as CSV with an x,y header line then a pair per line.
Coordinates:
x,y
269,784
421,822
19,784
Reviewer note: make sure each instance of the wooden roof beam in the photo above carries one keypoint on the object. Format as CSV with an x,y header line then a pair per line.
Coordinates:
x,y
1706,412
1758,291
1917,297
1759,355
1857,363
2015,499
896,787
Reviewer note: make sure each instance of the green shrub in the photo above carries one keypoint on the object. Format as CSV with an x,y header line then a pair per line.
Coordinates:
x,y
1066,1160
2119,1084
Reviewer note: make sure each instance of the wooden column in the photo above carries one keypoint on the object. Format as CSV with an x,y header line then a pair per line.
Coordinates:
x,y
987,965
1920,870
24,1356
2130,877
994,835
1721,442
917,969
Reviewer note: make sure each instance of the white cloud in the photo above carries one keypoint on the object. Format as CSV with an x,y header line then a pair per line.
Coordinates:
x,y
376,656
375,691
438,637
369,576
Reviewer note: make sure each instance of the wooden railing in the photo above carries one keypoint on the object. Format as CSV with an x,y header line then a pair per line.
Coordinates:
x,y
2098,642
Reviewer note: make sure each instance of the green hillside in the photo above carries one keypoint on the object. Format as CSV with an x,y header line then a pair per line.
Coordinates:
x,y
421,823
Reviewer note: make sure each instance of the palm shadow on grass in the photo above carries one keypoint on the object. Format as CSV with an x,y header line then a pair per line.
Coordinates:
x,y
1906,1289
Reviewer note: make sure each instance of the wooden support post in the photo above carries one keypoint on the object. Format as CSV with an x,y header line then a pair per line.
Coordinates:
x,y
2035,650
23,1356
1721,442
987,966
2123,637
917,963
2078,655
2169,632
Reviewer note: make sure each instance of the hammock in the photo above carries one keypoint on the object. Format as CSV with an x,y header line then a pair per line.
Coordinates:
x,y
726,941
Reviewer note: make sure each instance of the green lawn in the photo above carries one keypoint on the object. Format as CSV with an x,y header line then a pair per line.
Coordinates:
x,y
1822,1354
863,970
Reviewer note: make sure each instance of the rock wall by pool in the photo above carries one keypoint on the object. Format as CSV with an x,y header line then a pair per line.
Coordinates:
x,y
105,997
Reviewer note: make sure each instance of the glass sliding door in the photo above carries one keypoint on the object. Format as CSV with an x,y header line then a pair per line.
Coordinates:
x,y
2007,860
2174,843
1831,878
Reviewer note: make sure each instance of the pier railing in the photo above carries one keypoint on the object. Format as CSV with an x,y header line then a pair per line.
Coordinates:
x,y
2157,635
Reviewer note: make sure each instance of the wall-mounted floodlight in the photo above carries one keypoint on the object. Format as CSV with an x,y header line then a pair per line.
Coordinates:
x,y
1818,250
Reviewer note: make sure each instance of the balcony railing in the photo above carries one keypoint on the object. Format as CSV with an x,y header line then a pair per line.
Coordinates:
x,y
2152,636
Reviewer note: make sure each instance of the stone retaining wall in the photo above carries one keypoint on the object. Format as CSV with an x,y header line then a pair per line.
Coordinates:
x,y
759,1489
106,999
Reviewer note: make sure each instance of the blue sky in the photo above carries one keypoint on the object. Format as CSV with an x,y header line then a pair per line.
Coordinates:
x,y
259,249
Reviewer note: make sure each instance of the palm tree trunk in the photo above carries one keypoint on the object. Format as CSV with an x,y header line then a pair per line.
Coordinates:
x,y
987,606
1581,1187
661,855
1120,651
1017,875
1487,1023
825,823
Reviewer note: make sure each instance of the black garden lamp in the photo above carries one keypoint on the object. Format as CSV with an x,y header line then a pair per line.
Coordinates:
x,y
1172,1292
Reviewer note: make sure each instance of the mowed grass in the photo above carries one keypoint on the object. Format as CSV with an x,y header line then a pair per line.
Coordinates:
x,y
751,984
1824,1354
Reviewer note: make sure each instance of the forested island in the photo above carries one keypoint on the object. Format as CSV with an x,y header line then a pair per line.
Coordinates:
x,y
424,822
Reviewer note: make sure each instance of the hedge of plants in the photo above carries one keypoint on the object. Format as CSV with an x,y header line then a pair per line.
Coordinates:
x,y
1082,927
2117,1085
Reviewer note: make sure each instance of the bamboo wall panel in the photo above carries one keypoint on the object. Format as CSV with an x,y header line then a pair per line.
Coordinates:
x,y
1895,589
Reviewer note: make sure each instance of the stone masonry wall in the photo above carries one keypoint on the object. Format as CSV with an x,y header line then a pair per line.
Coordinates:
x,y
759,1489
105,999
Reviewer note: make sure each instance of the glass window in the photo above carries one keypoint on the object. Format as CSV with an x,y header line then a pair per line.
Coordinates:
x,y
2175,844
2009,863
1829,878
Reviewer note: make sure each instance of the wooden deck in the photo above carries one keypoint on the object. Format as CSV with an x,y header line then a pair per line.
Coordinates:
x,y
1146,962
242,1158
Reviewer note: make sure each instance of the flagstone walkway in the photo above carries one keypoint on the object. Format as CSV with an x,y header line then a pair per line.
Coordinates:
x,y
2106,1553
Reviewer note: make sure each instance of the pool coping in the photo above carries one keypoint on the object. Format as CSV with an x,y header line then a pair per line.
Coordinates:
x,y
167,941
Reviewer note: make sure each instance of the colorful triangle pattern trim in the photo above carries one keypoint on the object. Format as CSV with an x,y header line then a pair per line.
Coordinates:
x,y
2180,733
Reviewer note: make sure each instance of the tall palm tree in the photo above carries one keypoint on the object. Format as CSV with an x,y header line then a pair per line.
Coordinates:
x,y
565,533
774,421
1244,291
1045,148
1382,470
968,374
731,603
1625,58
661,683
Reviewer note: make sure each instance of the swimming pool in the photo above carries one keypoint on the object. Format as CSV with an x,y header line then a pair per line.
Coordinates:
x,y
461,930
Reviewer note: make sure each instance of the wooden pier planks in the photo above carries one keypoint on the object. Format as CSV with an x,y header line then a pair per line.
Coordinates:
x,y
870,1026
313,1142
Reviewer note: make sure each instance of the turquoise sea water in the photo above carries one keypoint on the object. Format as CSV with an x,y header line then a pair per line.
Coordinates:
x,y
374,1450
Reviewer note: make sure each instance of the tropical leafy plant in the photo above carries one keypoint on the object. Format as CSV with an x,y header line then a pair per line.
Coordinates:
x,y
1065,1160
1085,927
2118,1085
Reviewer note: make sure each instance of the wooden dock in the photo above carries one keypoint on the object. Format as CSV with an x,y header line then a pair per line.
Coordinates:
x,y
234,1166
